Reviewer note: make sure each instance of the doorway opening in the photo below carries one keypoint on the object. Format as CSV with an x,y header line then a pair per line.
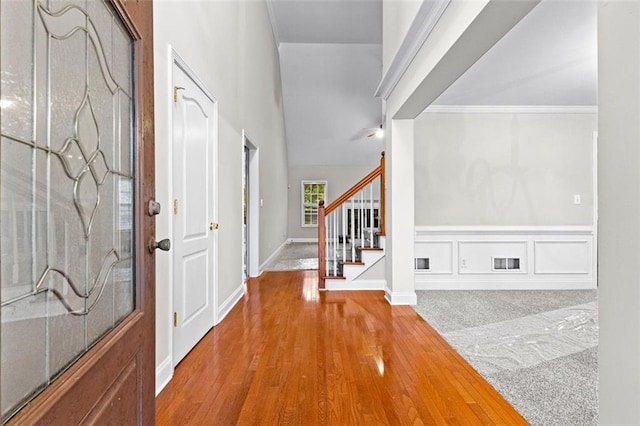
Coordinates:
x,y
250,208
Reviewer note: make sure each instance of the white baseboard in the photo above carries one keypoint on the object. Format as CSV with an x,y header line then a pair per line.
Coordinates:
x,y
231,301
164,373
303,240
273,256
400,297
483,284
343,285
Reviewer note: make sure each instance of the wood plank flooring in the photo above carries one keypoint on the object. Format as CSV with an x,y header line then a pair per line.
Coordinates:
x,y
288,354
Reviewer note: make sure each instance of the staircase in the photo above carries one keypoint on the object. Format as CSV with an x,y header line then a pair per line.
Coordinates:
x,y
351,235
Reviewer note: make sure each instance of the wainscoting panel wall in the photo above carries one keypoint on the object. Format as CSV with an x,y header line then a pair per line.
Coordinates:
x,y
523,258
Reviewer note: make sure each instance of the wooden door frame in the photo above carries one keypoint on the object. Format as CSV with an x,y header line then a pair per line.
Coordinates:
x,y
139,326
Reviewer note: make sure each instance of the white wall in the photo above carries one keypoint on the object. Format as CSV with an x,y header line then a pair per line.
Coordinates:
x,y
619,211
229,45
504,169
339,180
399,143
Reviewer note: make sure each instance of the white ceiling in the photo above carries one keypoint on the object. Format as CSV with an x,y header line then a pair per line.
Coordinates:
x,y
327,21
549,58
331,64
328,100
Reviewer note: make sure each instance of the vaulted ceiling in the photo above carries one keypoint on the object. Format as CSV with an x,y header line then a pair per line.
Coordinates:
x,y
328,21
331,63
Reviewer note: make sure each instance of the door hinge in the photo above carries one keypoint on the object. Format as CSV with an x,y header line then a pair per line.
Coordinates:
x,y
175,93
175,319
175,207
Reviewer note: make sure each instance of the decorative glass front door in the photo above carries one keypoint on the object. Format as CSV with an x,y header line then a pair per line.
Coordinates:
x,y
66,187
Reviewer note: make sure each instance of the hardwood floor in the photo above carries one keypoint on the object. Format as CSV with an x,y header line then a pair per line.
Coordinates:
x,y
287,354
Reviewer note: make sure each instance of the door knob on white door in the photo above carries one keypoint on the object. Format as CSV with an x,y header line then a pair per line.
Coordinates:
x,y
213,226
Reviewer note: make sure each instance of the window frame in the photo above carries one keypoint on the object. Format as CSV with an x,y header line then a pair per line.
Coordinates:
x,y
303,204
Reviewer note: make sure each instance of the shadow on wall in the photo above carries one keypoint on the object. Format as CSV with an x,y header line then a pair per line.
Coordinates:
x,y
504,168
488,190
496,188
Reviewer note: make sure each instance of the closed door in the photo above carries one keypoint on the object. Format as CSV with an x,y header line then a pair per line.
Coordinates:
x,y
194,220
77,293
245,215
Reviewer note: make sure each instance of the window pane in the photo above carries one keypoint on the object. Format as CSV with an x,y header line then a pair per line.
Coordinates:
x,y
312,194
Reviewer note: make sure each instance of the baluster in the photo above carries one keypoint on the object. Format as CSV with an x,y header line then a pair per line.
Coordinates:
x,y
331,244
335,242
327,254
361,221
344,233
371,215
353,231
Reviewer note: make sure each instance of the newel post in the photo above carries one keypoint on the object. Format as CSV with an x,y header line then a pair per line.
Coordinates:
x,y
321,245
382,195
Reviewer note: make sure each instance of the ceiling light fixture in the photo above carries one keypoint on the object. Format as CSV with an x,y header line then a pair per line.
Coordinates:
x,y
380,132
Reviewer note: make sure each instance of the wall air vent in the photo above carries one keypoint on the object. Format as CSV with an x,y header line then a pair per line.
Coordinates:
x,y
422,264
506,263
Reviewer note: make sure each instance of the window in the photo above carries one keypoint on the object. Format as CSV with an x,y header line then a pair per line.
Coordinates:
x,y
312,193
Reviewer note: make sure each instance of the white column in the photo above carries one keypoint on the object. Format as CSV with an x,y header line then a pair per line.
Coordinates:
x,y
400,220
619,211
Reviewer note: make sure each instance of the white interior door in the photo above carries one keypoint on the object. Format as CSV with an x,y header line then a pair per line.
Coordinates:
x,y
194,222
245,214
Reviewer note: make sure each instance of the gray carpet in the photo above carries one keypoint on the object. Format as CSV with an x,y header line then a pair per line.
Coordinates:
x,y
296,256
537,348
560,392
452,310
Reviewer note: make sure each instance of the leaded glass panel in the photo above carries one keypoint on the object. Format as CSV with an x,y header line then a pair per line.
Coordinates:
x,y
66,187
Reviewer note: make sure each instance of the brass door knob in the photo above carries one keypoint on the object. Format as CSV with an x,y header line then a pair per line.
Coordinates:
x,y
213,226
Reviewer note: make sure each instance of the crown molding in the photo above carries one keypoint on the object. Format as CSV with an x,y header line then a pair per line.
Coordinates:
x,y
513,109
425,21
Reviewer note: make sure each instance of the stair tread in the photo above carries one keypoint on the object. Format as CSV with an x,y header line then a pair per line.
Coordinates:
x,y
342,262
371,248
334,277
